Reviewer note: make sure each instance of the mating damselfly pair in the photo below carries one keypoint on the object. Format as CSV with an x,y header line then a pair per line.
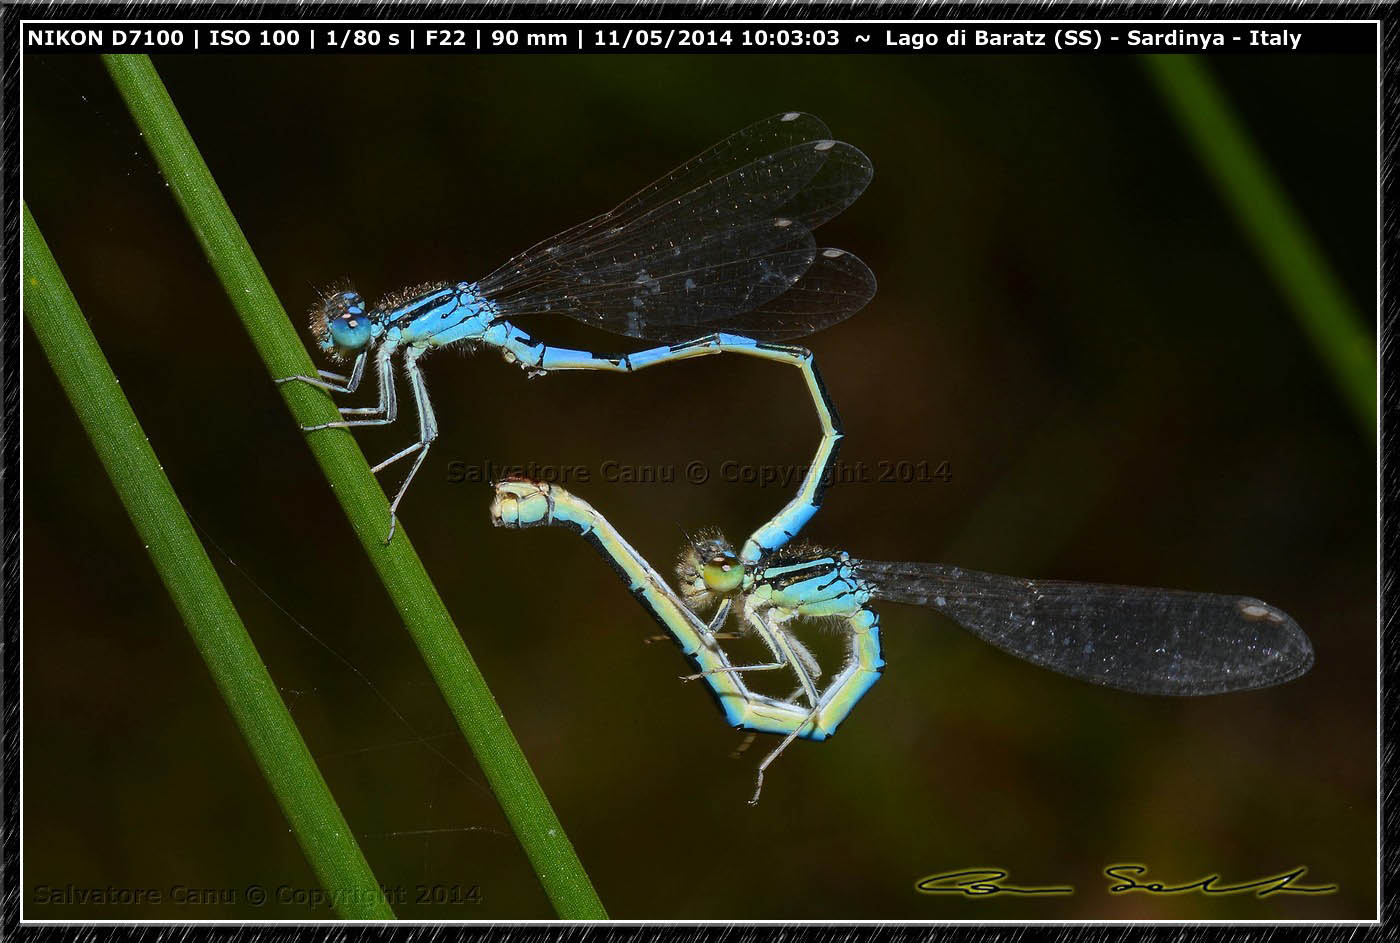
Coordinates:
x,y
1147,641
719,256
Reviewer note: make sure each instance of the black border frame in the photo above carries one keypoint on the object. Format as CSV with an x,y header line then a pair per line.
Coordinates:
x,y
10,316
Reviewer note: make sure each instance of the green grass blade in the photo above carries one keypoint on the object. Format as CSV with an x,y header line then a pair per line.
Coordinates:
x,y
198,594
1281,238
403,575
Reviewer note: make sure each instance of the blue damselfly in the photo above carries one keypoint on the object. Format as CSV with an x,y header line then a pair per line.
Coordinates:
x,y
717,256
1147,641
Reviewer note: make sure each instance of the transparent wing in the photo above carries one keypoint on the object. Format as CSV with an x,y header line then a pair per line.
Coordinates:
x,y
759,139
1151,641
719,237
834,287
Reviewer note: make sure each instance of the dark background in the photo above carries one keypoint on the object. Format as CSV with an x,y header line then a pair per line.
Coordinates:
x,y
1068,315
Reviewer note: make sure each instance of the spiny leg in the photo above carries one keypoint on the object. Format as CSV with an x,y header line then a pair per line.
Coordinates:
x,y
335,382
379,409
388,409
785,646
808,660
735,669
767,623
712,633
863,666
758,785
789,652
861,672
427,432
720,617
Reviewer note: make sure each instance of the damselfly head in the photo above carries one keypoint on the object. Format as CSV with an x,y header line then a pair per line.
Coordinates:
x,y
708,570
341,323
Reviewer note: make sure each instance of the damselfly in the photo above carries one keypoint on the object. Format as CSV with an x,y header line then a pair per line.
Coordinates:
x,y
721,246
1147,641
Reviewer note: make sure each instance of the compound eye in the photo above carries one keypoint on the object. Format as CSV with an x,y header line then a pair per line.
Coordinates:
x,y
347,302
350,331
723,574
